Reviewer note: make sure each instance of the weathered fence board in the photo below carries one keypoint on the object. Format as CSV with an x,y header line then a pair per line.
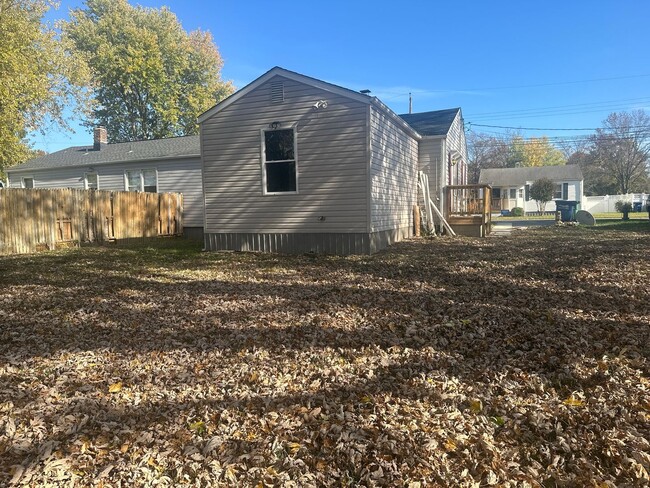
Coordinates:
x,y
33,220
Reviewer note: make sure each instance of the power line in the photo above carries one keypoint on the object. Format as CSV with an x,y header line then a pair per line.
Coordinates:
x,y
560,83
538,113
550,129
544,109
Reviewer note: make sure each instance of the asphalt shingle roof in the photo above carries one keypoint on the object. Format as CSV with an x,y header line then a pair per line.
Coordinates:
x,y
519,176
115,153
436,123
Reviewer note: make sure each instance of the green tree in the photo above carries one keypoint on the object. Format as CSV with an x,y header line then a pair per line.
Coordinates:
x,y
542,192
151,78
621,150
34,75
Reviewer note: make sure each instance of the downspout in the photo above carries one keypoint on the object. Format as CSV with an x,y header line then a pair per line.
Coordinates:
x,y
442,182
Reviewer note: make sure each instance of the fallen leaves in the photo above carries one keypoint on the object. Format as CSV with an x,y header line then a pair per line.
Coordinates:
x,y
496,362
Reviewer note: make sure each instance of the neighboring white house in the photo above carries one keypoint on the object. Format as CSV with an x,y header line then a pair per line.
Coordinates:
x,y
511,186
163,165
296,164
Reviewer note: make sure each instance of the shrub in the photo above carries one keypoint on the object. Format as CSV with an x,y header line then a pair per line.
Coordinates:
x,y
542,192
517,212
622,206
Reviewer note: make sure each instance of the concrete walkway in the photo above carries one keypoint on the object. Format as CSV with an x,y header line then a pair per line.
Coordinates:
x,y
505,227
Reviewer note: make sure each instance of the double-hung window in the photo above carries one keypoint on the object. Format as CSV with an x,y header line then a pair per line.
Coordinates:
x,y
27,182
279,169
557,192
141,180
91,181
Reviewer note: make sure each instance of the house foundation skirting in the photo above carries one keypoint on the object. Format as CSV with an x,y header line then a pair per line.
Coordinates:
x,y
297,243
193,233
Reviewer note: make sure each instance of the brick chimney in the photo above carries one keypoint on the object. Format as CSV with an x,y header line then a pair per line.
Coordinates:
x,y
100,137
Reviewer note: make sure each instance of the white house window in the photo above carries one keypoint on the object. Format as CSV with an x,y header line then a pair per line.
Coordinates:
x,y
521,193
279,161
513,193
91,181
28,182
150,181
141,180
557,192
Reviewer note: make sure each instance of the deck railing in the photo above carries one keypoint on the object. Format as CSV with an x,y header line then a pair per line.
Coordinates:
x,y
469,205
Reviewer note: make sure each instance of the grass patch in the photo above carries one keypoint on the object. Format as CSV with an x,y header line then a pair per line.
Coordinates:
x,y
618,215
623,225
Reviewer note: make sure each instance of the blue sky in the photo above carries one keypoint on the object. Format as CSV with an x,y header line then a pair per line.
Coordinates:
x,y
508,63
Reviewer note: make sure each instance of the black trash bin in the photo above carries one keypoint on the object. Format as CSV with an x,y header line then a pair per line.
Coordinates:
x,y
567,208
636,207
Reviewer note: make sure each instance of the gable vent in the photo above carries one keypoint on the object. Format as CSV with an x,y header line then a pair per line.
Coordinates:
x,y
277,92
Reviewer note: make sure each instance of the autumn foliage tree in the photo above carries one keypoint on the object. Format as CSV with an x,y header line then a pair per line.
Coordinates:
x,y
151,78
509,151
535,151
35,71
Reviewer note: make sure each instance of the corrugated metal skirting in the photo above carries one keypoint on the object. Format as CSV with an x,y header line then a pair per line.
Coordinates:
x,y
296,243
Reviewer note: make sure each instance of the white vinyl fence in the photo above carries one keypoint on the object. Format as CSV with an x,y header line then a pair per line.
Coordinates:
x,y
607,203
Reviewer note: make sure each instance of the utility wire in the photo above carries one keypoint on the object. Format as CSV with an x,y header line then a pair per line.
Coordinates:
x,y
549,129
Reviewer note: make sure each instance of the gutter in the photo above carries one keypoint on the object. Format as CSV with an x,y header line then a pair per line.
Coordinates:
x,y
102,163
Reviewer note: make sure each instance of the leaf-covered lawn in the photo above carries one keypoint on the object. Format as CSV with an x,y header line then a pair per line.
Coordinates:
x,y
512,361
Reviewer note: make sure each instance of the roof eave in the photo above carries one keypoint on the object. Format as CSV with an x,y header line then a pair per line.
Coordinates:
x,y
396,118
102,163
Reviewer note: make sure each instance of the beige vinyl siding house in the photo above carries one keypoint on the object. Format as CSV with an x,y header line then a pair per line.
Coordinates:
x,y
344,169
167,165
442,150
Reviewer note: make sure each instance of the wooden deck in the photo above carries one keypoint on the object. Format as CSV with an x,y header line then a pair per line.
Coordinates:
x,y
468,209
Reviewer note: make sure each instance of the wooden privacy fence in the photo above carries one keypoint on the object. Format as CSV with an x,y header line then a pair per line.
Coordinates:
x,y
34,220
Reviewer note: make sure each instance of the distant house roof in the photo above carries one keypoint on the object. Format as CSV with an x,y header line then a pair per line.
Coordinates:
x,y
519,176
175,147
436,123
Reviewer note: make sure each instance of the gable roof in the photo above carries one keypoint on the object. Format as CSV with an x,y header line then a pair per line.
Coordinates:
x,y
155,149
520,176
435,123
323,85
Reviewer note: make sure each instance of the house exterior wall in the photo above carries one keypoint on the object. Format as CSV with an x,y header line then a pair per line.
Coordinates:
x,y
332,157
393,175
177,176
431,159
456,142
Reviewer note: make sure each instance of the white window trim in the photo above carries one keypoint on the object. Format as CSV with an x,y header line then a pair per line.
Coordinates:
x,y
561,191
86,179
126,178
293,126
22,182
